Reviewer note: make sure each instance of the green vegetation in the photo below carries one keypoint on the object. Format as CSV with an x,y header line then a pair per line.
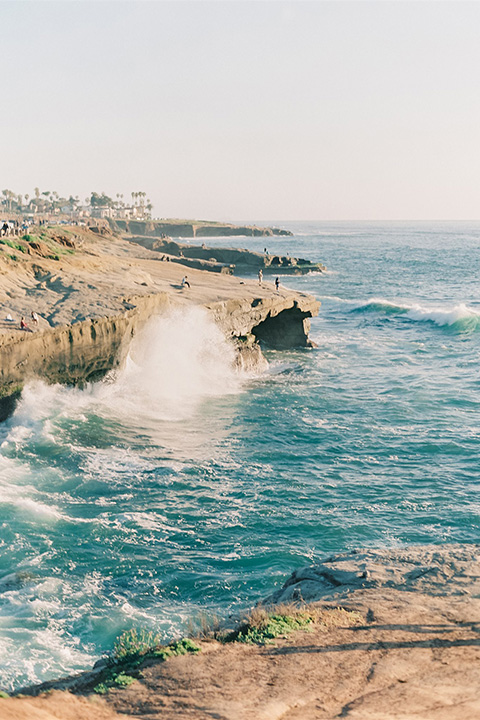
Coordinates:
x,y
4,694
12,244
262,626
273,626
131,650
133,643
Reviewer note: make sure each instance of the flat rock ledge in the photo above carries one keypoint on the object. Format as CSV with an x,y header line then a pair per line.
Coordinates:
x,y
413,653
436,570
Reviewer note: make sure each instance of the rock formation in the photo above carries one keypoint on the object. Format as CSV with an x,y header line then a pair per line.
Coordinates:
x,y
228,260
92,298
412,653
192,228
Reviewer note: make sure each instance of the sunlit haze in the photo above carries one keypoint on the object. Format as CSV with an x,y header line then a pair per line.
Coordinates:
x,y
247,110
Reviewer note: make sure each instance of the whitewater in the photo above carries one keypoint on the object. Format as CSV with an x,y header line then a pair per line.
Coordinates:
x,y
179,486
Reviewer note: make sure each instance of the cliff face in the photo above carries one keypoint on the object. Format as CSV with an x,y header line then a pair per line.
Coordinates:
x,y
191,229
84,351
277,323
70,354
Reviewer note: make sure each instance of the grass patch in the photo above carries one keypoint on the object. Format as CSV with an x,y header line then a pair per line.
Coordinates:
x,y
12,244
263,625
260,626
204,626
131,650
133,643
4,694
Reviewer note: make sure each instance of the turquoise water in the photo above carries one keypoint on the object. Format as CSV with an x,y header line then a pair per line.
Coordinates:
x,y
178,486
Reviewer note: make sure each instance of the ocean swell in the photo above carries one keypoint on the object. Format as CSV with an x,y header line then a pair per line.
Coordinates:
x,y
458,318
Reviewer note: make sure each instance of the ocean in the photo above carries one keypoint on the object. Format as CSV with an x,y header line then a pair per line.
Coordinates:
x,y
178,488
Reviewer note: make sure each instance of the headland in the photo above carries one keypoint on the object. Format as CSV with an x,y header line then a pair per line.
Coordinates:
x,y
192,228
93,289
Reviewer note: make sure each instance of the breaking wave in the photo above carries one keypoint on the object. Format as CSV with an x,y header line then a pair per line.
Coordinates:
x,y
458,318
173,364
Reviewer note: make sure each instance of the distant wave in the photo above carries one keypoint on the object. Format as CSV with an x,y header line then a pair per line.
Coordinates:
x,y
459,318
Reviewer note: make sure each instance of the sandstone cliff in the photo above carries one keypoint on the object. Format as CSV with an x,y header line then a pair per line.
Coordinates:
x,y
92,299
192,228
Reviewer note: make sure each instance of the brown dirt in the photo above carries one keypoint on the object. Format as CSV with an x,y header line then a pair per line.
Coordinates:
x,y
415,657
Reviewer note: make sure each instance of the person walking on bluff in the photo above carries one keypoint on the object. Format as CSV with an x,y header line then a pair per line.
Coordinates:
x,y
24,326
260,276
277,284
185,282
34,318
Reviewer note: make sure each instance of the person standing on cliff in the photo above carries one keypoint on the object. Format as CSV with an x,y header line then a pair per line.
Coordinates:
x,y
260,276
277,283
185,282
34,318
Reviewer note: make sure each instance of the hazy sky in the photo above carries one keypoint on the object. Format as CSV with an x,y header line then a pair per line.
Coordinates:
x,y
247,110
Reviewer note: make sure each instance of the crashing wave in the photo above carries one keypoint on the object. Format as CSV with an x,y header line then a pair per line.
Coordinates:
x,y
459,318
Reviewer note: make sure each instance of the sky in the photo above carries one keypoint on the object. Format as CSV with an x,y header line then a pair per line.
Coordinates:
x,y
251,110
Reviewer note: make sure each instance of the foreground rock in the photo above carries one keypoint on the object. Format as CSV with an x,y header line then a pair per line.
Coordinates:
x,y
415,655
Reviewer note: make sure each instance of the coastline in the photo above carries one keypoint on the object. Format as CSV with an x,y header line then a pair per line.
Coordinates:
x,y
92,301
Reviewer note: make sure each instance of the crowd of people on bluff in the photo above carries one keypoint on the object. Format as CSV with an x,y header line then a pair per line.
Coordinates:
x,y
12,227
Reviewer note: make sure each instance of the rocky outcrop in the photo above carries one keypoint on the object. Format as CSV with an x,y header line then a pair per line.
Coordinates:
x,y
405,646
227,259
87,350
276,322
432,569
102,289
70,354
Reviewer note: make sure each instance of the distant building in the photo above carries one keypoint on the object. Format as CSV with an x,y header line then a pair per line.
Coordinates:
x,y
102,211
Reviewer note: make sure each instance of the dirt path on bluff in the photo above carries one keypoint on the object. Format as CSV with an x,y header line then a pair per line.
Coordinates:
x,y
413,657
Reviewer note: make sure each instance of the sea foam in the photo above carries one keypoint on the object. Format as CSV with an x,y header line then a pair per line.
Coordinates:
x,y
173,364
459,317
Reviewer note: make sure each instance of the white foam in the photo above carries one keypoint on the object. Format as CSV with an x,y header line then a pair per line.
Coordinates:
x,y
174,364
440,315
444,316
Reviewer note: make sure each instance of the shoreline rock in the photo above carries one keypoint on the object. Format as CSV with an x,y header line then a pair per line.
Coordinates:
x,y
413,652
192,228
227,260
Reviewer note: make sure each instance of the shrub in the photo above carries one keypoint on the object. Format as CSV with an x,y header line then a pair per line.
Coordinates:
x,y
131,650
263,625
132,643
